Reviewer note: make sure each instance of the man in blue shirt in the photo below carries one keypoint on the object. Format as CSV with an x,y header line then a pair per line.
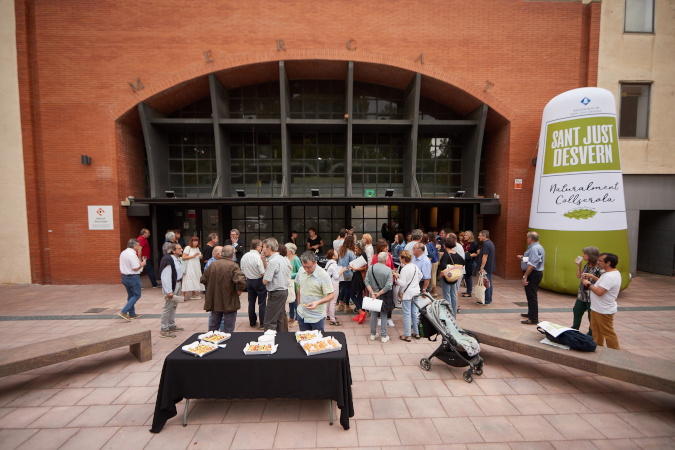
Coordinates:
x,y
423,263
487,262
532,263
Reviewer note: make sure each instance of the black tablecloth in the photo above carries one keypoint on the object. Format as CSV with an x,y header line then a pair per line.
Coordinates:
x,y
229,374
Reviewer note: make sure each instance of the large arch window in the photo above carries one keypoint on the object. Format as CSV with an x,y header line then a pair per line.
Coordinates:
x,y
439,164
317,99
377,163
192,164
259,101
374,101
255,159
317,162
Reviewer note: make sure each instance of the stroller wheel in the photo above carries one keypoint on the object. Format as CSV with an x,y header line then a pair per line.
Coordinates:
x,y
478,370
425,364
468,377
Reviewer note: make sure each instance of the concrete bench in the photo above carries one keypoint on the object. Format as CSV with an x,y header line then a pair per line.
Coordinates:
x,y
644,371
27,357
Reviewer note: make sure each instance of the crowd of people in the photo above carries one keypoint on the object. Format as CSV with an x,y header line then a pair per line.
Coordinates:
x,y
286,290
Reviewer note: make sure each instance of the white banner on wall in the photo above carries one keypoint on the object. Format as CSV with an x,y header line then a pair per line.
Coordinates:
x,y
100,217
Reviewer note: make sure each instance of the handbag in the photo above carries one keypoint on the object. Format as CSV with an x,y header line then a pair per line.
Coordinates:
x,y
387,297
453,272
291,293
479,289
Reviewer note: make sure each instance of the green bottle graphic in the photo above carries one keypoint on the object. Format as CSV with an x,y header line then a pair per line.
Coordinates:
x,y
578,199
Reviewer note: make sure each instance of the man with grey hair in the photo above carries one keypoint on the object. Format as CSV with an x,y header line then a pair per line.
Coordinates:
x,y
532,264
224,283
415,237
379,276
170,237
253,265
276,280
130,267
315,290
171,275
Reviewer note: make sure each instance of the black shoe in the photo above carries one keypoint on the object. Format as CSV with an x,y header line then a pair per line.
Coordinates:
x,y
524,315
529,322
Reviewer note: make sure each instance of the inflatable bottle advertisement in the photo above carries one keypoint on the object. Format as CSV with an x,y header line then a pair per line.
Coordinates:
x,y
577,198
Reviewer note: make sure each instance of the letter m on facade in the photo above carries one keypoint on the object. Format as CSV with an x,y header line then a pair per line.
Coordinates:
x,y
136,87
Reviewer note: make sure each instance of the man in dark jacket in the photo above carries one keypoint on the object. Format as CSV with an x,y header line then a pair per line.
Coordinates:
x,y
237,244
224,283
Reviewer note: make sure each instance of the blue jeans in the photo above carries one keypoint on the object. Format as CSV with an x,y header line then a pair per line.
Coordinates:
x,y
292,307
374,316
304,326
488,291
468,277
133,285
256,291
357,298
345,292
450,294
410,314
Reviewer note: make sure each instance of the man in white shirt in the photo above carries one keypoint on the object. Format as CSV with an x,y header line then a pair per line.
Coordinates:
x,y
130,267
253,264
171,274
337,243
603,300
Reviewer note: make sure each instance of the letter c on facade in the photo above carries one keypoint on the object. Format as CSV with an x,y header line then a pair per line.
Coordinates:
x,y
349,44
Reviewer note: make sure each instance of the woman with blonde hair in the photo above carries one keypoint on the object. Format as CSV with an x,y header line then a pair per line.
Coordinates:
x,y
192,269
291,250
408,281
369,251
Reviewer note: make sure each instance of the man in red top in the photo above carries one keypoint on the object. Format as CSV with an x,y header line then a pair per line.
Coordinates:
x,y
145,254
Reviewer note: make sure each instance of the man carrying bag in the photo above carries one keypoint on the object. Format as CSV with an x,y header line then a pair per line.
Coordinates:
x,y
379,275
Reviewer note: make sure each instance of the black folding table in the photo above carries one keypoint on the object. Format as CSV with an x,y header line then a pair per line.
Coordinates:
x,y
229,374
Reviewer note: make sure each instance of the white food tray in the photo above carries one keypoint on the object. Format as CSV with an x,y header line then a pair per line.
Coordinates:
x,y
267,352
187,348
308,335
224,336
328,350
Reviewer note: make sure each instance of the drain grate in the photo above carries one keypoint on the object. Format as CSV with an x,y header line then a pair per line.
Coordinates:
x,y
521,304
95,310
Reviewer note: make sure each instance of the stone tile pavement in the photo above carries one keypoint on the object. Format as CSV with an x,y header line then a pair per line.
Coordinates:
x,y
106,401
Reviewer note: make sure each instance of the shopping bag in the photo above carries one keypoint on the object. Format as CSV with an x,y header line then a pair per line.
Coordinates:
x,y
479,289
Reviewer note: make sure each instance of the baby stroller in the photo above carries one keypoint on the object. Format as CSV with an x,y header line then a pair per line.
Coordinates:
x,y
459,348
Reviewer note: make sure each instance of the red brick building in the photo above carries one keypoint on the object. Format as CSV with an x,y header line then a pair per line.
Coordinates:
x,y
181,104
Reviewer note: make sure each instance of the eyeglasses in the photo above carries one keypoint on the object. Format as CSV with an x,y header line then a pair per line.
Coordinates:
x,y
601,260
308,267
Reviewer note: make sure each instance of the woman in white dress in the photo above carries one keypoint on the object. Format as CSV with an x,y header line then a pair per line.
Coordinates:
x,y
192,269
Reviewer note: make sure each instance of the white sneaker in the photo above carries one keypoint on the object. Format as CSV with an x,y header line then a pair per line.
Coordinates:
x,y
390,323
385,339
374,336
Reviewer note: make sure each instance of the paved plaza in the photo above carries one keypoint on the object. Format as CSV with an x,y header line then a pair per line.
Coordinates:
x,y
107,400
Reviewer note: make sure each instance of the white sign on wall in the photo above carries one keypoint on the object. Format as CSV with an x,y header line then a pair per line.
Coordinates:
x,y
100,217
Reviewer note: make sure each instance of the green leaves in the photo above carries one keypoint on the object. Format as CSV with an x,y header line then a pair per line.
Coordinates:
x,y
580,213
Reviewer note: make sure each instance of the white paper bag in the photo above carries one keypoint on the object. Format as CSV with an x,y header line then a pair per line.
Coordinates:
x,y
372,304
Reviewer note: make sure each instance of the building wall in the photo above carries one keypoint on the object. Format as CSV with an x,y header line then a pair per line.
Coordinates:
x,y
76,64
14,226
643,57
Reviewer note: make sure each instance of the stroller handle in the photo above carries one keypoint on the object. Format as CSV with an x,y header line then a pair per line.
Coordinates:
x,y
422,300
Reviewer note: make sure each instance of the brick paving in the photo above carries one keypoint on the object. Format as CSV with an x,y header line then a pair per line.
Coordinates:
x,y
107,400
